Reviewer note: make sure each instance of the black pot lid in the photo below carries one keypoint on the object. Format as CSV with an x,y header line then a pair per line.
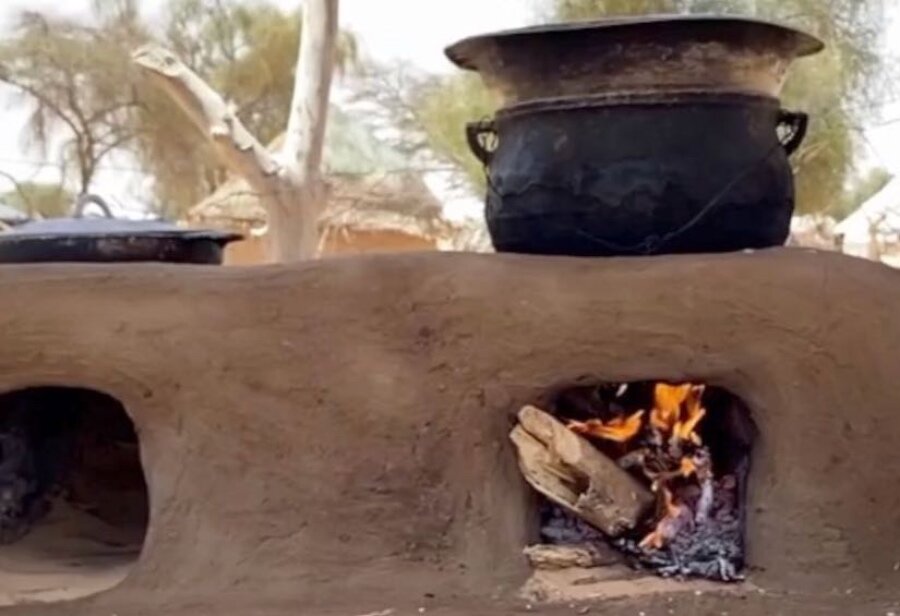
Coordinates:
x,y
463,53
110,227
56,228
107,227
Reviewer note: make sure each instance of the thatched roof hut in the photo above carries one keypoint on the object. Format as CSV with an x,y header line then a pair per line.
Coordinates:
x,y
396,200
379,212
374,202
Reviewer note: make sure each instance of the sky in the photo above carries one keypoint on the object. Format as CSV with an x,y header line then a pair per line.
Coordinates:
x,y
411,30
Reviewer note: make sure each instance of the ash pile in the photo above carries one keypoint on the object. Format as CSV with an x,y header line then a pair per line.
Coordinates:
x,y
37,452
23,499
653,471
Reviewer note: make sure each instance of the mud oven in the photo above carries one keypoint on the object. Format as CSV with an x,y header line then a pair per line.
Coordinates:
x,y
471,434
334,437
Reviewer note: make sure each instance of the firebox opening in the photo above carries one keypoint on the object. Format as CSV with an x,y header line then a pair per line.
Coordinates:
x,y
73,499
648,477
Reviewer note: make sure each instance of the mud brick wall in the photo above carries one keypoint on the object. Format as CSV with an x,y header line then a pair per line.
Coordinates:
x,y
338,429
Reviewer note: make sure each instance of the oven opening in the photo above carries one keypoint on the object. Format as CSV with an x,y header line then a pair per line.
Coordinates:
x,y
73,498
638,480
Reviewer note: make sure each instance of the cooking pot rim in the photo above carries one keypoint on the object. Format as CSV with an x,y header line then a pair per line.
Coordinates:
x,y
462,52
637,98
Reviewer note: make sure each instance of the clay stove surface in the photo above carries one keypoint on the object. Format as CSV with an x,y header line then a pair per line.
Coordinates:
x,y
71,554
331,438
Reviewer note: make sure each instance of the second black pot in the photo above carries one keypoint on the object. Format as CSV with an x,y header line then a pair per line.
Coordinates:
x,y
639,175
108,240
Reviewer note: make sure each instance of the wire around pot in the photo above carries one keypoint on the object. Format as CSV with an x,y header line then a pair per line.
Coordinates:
x,y
643,168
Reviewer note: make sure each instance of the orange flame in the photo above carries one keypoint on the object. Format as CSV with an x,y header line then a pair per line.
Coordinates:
x,y
688,467
675,417
668,400
693,415
619,429
668,526
678,411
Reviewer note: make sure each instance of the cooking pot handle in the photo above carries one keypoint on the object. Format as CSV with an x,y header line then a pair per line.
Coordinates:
x,y
477,134
85,199
798,124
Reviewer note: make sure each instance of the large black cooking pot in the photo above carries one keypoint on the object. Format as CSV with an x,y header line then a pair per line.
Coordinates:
x,y
639,175
107,240
638,136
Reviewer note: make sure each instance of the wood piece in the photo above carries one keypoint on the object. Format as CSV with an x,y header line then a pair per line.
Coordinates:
x,y
569,471
555,557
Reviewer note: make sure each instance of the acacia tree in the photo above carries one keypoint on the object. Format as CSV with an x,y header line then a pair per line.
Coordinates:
x,y
289,184
422,115
77,77
38,199
77,80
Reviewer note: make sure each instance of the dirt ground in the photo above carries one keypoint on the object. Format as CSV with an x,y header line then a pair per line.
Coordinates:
x,y
256,604
70,554
331,438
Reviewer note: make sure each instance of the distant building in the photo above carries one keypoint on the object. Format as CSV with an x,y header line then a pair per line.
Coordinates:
x,y
873,230
387,212
376,202
813,231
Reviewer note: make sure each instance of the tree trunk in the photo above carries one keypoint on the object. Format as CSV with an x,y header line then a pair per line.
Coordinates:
x,y
874,250
290,185
293,233
305,137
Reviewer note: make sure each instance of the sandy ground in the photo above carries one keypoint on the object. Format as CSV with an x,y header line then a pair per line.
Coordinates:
x,y
70,554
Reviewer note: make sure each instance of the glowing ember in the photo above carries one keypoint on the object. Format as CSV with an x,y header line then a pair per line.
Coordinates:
x,y
673,520
688,467
676,414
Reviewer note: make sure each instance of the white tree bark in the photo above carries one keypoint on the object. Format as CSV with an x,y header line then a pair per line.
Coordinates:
x,y
290,186
305,137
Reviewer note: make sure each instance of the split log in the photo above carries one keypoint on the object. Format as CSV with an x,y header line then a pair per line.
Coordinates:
x,y
556,557
570,472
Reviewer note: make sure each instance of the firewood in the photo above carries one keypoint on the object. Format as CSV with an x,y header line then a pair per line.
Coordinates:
x,y
555,557
570,472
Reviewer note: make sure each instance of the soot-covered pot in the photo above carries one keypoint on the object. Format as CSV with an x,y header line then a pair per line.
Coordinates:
x,y
658,135
108,240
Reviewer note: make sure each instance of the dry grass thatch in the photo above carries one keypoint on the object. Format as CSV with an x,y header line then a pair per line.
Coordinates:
x,y
395,201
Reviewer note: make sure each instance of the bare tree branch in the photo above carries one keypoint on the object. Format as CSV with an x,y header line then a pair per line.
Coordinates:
x,y
42,100
290,188
210,113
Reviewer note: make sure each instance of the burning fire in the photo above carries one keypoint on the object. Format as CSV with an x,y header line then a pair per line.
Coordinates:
x,y
668,449
619,430
678,411
668,526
